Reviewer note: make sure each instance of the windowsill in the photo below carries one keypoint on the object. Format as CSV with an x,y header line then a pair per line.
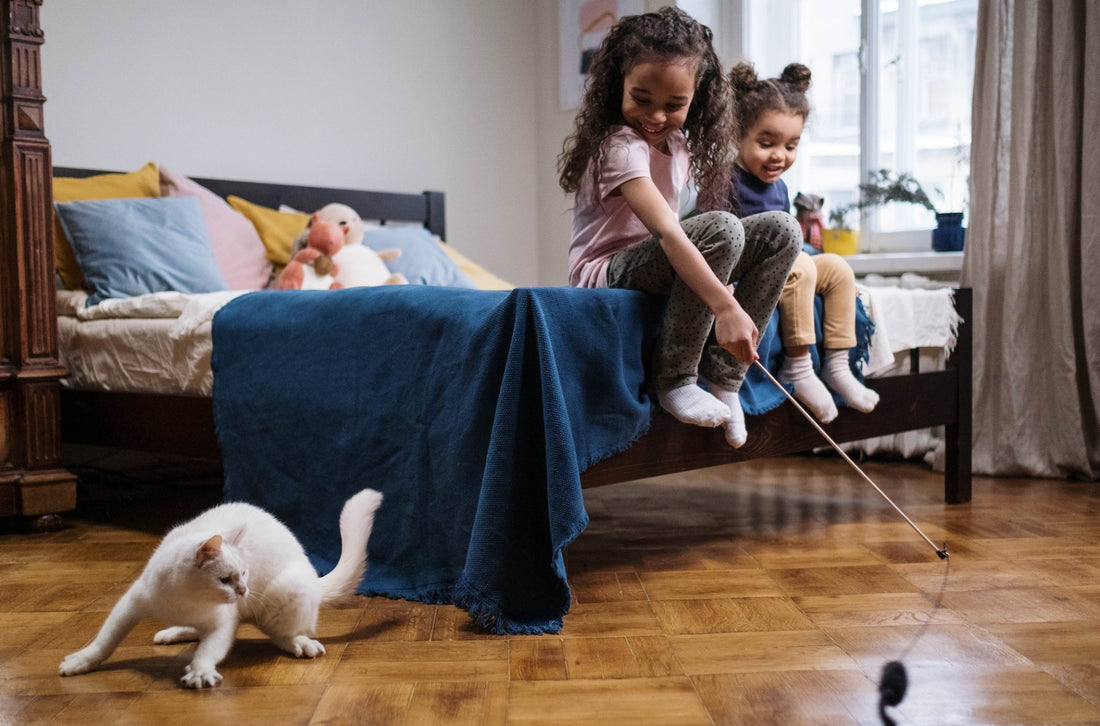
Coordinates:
x,y
931,264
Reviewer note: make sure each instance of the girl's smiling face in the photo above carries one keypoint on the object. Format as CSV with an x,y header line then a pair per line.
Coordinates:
x,y
656,99
770,147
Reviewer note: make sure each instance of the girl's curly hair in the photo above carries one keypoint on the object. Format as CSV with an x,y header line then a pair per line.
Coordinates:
x,y
755,96
669,35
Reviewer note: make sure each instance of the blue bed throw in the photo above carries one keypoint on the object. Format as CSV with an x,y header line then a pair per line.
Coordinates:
x,y
472,411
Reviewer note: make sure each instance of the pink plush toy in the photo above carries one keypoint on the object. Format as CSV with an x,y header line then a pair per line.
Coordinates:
x,y
330,254
312,268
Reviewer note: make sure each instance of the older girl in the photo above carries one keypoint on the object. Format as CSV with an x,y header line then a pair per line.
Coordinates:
x,y
657,113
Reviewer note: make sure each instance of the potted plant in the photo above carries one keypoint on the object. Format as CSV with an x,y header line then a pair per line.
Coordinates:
x,y
840,238
949,234
884,187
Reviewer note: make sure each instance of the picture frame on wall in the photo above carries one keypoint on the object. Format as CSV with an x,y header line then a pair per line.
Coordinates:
x,y
583,24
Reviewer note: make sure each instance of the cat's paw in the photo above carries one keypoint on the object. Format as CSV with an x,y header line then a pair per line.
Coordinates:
x,y
200,677
79,662
177,634
303,647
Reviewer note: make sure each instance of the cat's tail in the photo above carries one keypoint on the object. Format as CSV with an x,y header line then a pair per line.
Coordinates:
x,y
356,521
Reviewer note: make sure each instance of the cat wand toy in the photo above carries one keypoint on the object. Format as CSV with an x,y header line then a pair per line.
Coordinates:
x,y
941,552
894,680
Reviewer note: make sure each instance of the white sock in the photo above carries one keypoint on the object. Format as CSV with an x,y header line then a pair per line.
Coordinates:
x,y
693,405
838,376
736,433
808,388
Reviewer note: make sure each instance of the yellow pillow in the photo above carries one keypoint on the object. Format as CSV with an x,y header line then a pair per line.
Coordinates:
x,y
277,229
484,279
145,182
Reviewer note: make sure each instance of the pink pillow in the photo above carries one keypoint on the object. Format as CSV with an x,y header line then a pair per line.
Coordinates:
x,y
240,254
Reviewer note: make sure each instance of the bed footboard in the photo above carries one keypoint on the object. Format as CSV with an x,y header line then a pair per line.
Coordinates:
x,y
959,431
32,480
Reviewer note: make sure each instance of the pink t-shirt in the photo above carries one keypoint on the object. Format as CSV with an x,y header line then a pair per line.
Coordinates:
x,y
602,228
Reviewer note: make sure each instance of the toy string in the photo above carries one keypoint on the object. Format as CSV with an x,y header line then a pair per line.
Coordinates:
x,y
894,680
941,552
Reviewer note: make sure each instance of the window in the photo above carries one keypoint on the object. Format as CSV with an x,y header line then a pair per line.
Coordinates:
x,y
911,62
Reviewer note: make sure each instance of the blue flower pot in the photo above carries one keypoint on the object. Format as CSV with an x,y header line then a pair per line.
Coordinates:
x,y
949,234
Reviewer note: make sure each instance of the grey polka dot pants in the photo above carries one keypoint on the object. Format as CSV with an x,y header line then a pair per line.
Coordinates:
x,y
756,253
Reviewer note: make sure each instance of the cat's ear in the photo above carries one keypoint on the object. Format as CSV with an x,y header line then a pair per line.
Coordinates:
x,y
209,550
236,535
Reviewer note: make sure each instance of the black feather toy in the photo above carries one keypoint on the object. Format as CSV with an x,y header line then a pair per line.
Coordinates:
x,y
891,688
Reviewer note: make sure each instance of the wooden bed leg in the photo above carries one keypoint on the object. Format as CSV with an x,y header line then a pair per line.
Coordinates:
x,y
32,482
959,441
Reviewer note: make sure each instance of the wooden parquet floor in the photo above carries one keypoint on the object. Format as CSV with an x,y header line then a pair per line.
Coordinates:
x,y
770,592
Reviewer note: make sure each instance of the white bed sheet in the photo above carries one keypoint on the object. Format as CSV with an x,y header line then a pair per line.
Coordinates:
x,y
156,343
909,312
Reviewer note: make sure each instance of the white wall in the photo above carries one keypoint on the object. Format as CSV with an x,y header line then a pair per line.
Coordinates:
x,y
382,94
404,95
554,124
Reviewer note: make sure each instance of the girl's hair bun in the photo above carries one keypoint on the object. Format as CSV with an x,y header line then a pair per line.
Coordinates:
x,y
797,76
743,79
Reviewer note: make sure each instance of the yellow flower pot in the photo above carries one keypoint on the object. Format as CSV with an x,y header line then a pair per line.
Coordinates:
x,y
840,241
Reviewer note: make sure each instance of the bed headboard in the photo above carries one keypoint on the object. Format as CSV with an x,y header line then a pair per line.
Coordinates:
x,y
426,208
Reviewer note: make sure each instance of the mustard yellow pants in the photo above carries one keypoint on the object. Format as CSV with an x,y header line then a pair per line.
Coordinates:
x,y
827,275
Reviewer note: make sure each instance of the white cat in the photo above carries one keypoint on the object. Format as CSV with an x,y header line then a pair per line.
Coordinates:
x,y
234,562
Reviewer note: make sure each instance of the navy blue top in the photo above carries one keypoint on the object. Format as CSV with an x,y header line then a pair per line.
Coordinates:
x,y
755,196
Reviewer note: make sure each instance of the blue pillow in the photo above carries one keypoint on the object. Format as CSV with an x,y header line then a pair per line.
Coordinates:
x,y
128,247
422,260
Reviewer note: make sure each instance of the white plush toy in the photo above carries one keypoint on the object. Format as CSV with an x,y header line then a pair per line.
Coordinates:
x,y
355,264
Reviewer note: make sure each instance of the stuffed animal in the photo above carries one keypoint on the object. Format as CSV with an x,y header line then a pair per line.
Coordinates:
x,y
360,266
312,267
808,214
334,240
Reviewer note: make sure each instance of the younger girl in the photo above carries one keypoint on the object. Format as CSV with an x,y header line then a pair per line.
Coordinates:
x,y
772,113
658,111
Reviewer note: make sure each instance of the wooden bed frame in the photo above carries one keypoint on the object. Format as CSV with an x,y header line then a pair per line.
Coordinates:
x,y
37,414
154,422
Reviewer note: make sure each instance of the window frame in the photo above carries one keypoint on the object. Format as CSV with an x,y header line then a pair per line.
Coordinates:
x,y
732,29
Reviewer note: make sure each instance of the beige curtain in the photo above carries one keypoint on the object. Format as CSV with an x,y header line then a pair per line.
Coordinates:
x,y
1033,246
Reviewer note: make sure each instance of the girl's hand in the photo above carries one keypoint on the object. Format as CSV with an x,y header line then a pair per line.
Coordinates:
x,y
737,333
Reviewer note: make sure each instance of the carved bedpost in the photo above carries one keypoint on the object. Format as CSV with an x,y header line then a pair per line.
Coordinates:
x,y
32,481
